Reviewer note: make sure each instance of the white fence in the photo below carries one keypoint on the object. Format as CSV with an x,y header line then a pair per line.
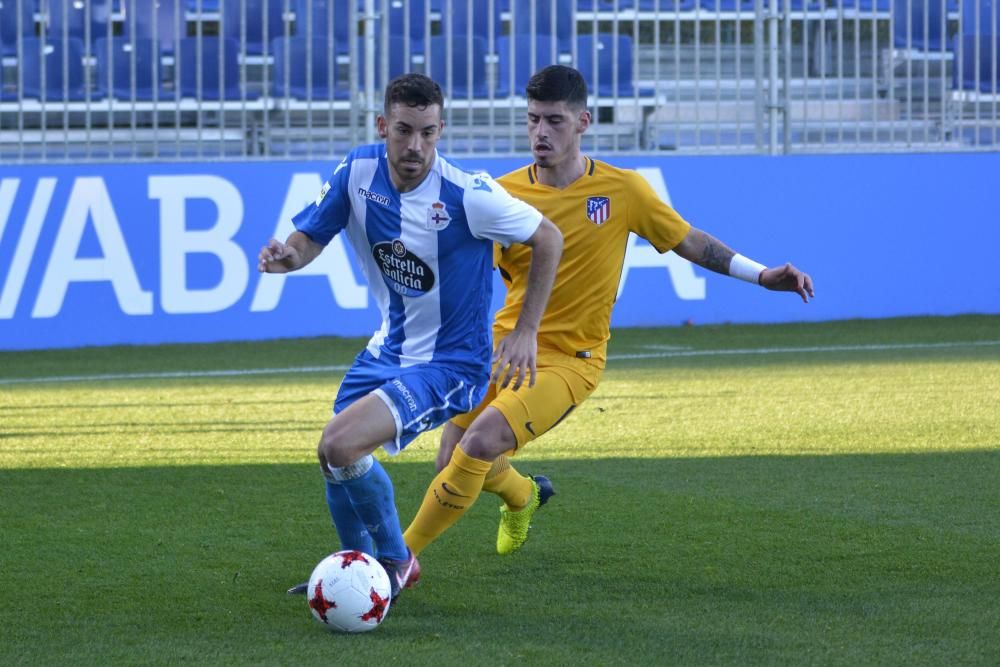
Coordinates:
x,y
204,79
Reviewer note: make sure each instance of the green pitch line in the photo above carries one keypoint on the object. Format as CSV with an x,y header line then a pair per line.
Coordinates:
x,y
611,358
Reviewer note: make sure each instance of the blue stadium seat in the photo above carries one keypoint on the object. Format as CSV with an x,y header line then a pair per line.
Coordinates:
x,y
561,28
666,5
398,63
290,77
982,76
603,5
212,87
988,20
462,17
418,24
749,5
264,21
980,48
116,75
71,17
465,83
9,29
517,47
921,24
865,6
608,64
61,67
160,19
203,5
323,18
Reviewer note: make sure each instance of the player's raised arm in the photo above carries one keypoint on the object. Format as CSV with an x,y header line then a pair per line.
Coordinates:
x,y
293,254
518,351
705,250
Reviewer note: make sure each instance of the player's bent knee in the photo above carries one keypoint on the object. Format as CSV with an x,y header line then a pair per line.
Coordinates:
x,y
488,437
337,448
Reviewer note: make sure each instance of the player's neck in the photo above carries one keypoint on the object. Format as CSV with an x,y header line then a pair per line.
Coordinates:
x,y
563,174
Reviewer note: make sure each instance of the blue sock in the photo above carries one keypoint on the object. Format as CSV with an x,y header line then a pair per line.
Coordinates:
x,y
350,528
374,501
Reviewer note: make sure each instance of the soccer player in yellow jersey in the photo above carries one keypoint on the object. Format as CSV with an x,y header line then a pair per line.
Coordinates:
x,y
595,206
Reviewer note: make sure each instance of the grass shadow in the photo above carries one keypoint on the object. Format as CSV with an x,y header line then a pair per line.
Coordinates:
x,y
788,559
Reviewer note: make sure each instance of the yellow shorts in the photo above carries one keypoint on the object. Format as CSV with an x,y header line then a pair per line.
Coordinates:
x,y
562,382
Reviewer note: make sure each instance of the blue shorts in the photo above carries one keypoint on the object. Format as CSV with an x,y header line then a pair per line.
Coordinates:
x,y
420,397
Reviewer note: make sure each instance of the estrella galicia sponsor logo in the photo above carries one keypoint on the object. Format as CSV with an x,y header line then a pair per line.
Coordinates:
x,y
374,196
405,272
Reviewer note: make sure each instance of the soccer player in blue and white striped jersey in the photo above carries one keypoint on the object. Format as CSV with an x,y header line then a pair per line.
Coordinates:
x,y
423,230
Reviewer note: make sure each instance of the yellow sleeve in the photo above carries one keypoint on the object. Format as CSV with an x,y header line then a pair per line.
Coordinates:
x,y
652,218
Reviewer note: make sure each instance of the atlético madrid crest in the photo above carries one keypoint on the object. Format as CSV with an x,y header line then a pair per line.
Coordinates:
x,y
598,209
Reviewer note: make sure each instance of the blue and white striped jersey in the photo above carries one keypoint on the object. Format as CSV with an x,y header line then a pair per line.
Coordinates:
x,y
427,253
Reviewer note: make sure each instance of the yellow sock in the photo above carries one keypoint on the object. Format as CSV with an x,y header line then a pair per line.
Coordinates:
x,y
448,497
513,488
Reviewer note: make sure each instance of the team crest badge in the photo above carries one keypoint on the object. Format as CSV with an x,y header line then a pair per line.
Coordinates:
x,y
437,217
598,209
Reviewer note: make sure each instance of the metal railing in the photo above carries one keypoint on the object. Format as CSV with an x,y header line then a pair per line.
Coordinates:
x,y
208,79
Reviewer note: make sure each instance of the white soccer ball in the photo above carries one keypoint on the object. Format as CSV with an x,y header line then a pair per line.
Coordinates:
x,y
349,591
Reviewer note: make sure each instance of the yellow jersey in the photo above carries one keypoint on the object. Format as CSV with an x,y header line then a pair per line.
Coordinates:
x,y
595,214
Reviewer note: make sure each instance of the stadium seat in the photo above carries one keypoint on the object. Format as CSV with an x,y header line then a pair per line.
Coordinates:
x,y
163,20
10,10
290,76
71,17
749,5
211,86
264,21
601,69
988,20
398,63
978,67
517,48
122,79
460,82
561,27
59,62
982,73
921,24
666,5
864,6
320,19
462,17
603,5
418,23
203,5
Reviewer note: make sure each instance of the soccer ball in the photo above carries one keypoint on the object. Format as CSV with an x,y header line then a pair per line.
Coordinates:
x,y
349,591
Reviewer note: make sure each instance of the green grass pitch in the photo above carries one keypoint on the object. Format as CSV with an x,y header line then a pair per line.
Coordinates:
x,y
800,494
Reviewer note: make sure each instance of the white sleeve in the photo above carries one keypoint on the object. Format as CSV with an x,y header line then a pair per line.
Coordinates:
x,y
493,214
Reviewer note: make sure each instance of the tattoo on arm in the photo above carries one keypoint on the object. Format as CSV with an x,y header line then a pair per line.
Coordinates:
x,y
715,256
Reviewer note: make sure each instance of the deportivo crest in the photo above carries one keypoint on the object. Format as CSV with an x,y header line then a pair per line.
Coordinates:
x,y
598,209
437,217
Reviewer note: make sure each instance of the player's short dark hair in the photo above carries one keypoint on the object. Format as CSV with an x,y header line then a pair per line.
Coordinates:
x,y
558,83
413,90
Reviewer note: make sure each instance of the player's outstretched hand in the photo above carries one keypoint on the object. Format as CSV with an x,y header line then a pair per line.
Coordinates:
x,y
277,257
787,278
514,358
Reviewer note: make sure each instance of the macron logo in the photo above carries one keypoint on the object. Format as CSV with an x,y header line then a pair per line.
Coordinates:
x,y
374,196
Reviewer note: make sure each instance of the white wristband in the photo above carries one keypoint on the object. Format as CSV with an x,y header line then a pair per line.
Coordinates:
x,y
746,269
